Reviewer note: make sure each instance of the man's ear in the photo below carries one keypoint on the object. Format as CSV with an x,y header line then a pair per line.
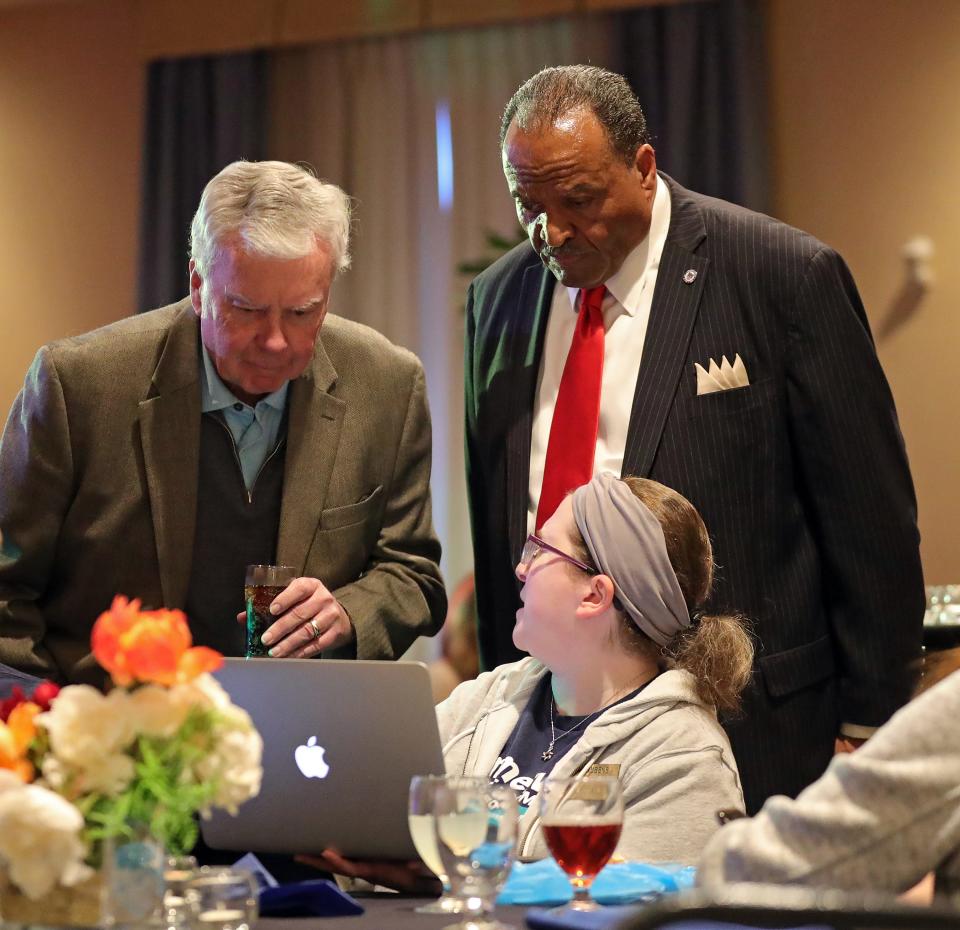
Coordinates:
x,y
196,284
646,165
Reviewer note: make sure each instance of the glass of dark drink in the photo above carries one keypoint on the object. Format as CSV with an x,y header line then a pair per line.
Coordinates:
x,y
261,585
582,819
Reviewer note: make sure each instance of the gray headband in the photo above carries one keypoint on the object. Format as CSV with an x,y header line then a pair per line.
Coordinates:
x,y
627,544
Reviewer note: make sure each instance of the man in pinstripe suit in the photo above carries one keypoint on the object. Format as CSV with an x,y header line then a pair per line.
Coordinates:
x,y
792,454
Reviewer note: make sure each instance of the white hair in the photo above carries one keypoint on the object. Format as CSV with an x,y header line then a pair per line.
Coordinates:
x,y
277,209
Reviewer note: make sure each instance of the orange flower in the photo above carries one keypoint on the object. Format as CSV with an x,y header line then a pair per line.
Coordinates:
x,y
148,646
15,738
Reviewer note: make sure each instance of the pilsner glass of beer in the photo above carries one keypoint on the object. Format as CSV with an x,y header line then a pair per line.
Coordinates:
x,y
262,584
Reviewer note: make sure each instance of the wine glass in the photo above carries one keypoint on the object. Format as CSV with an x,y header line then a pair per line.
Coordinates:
x,y
220,898
476,830
424,836
177,873
582,819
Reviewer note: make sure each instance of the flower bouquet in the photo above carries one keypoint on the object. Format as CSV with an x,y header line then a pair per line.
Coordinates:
x,y
80,769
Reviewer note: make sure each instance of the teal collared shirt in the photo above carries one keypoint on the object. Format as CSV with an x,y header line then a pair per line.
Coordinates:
x,y
254,429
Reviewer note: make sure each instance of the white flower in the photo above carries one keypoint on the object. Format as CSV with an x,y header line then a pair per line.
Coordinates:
x,y
83,722
9,781
206,691
233,765
40,839
160,711
89,735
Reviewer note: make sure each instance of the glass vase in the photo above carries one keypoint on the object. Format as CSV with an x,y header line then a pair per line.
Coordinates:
x,y
133,879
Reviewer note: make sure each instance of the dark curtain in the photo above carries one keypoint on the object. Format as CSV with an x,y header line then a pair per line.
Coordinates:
x,y
700,72
698,68
202,113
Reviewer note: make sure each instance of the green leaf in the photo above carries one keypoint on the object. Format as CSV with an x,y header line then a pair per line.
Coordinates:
x,y
500,245
163,793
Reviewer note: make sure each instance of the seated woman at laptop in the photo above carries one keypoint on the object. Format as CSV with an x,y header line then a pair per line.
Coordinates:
x,y
624,674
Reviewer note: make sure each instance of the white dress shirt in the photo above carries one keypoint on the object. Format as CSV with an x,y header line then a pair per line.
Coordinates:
x,y
626,312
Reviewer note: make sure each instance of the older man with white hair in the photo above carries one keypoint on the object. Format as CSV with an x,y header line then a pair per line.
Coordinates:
x,y
160,455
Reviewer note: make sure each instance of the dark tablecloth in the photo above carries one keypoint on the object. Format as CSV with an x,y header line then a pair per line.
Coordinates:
x,y
386,912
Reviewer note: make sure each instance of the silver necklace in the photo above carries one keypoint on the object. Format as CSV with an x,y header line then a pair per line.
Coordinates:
x,y
547,754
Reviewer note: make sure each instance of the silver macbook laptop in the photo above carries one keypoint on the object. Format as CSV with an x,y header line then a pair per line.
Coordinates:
x,y
341,741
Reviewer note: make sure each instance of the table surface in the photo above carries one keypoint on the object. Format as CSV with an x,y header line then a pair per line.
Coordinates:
x,y
388,912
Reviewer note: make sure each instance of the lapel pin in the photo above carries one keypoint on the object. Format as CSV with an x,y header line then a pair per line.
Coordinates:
x,y
689,276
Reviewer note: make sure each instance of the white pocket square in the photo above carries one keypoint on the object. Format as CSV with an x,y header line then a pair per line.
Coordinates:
x,y
722,377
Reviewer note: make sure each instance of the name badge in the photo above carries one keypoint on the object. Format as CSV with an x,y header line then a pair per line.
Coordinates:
x,y
604,768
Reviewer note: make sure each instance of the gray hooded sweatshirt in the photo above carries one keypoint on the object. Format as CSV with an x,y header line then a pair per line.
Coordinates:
x,y
880,818
675,763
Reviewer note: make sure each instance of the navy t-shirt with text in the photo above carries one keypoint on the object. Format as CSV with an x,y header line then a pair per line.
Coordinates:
x,y
520,764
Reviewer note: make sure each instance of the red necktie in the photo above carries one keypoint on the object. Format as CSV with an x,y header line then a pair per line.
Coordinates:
x,y
576,416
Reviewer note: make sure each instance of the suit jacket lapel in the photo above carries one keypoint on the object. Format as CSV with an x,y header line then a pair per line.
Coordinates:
x,y
673,311
536,291
170,438
314,424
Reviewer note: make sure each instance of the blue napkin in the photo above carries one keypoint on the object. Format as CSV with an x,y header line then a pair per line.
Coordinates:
x,y
545,883
314,898
317,897
610,917
552,919
250,863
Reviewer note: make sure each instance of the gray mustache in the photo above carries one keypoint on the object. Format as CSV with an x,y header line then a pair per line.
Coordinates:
x,y
547,253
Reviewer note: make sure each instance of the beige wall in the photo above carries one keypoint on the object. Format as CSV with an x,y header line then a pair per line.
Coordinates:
x,y
865,123
71,110
865,112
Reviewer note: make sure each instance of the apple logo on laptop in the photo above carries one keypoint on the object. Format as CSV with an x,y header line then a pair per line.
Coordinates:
x,y
309,759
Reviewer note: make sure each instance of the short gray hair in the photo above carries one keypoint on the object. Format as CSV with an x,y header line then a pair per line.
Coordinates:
x,y
277,209
542,99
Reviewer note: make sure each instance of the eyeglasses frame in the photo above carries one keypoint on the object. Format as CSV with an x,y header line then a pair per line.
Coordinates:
x,y
535,540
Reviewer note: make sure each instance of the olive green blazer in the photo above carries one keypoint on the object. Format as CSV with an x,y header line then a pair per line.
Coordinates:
x,y
98,486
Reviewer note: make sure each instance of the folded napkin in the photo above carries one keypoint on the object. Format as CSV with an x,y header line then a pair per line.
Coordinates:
x,y
314,898
545,883
261,874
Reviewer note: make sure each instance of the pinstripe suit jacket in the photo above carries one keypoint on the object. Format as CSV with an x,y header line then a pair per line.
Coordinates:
x,y
801,477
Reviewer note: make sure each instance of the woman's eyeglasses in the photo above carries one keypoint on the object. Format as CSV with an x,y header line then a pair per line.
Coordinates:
x,y
535,545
